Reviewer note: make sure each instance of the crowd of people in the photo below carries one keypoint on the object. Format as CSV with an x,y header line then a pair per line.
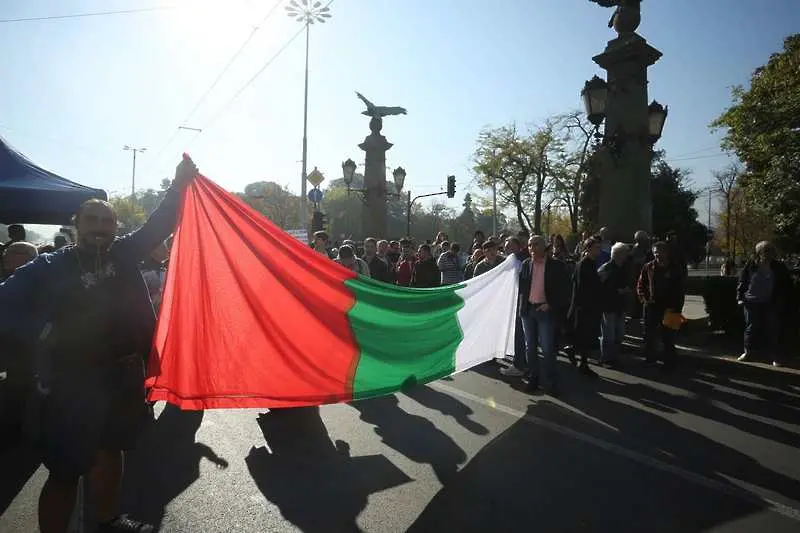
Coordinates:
x,y
579,302
82,317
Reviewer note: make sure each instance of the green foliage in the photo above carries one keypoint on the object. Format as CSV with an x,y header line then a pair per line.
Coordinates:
x,y
763,129
673,209
130,213
590,191
572,164
520,165
275,202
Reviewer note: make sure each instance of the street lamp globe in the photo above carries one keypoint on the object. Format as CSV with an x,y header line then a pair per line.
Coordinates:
x,y
348,171
656,117
595,97
399,175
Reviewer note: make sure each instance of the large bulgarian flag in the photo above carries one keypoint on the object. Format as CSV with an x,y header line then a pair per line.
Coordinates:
x,y
251,317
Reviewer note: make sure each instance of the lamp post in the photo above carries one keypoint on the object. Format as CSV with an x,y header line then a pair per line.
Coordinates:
x,y
348,173
133,172
306,13
631,127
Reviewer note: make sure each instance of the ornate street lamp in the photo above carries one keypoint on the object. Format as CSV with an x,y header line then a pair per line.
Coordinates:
x,y
399,175
348,171
595,97
656,117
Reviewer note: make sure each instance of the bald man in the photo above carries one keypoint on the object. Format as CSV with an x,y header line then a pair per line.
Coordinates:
x,y
17,254
89,306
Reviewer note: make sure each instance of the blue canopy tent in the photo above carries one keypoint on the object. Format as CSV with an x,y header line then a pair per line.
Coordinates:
x,y
31,195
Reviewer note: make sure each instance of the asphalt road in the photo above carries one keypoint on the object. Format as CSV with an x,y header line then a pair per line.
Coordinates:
x,y
714,447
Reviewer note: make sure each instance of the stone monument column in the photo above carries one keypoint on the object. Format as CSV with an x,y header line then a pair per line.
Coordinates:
x,y
375,146
625,197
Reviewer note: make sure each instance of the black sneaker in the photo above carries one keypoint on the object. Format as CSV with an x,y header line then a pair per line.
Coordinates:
x,y
125,524
586,371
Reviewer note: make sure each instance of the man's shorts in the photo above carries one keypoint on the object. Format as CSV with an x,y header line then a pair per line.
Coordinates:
x,y
88,410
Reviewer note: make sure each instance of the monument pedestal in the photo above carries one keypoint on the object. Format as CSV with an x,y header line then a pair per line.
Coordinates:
x,y
625,197
375,146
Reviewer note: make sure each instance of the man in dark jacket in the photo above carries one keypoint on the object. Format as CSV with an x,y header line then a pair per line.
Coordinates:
x,y
585,311
426,273
90,308
615,289
765,292
378,266
660,289
543,302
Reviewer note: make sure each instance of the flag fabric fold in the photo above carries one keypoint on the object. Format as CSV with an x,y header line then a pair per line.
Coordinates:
x,y
251,317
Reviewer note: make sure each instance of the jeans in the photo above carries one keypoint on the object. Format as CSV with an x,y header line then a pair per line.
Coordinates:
x,y
762,323
520,360
612,330
653,327
540,328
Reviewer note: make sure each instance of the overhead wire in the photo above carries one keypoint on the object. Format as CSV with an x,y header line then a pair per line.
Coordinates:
x,y
222,110
216,81
92,14
255,76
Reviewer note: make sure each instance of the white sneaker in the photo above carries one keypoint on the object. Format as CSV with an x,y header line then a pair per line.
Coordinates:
x,y
512,372
776,364
743,357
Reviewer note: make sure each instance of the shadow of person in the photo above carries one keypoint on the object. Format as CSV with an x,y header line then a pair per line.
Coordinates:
x,y
749,405
447,405
315,483
18,462
532,478
414,436
167,462
657,436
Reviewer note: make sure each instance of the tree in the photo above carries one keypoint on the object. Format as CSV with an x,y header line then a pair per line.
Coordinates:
x,y
520,166
750,224
725,186
590,191
275,202
571,168
463,227
150,198
763,128
130,215
673,209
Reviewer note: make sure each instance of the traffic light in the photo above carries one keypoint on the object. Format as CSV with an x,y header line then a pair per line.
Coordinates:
x,y
317,221
451,186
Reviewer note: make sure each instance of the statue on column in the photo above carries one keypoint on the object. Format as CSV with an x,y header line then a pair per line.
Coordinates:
x,y
626,17
379,111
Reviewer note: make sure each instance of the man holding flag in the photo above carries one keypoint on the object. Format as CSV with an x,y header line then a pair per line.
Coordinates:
x,y
90,308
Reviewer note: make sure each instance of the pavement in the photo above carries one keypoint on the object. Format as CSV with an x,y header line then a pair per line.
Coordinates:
x,y
713,447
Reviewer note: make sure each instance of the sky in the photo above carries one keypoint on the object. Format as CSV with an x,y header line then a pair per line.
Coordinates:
x,y
76,90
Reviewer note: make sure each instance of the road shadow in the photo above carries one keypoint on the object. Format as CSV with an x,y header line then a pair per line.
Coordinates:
x,y
166,463
414,436
315,483
18,462
755,400
656,436
533,478
448,406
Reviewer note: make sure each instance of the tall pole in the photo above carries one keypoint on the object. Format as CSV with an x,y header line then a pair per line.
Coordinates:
x,y
133,176
494,207
303,192
133,171
708,244
408,214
